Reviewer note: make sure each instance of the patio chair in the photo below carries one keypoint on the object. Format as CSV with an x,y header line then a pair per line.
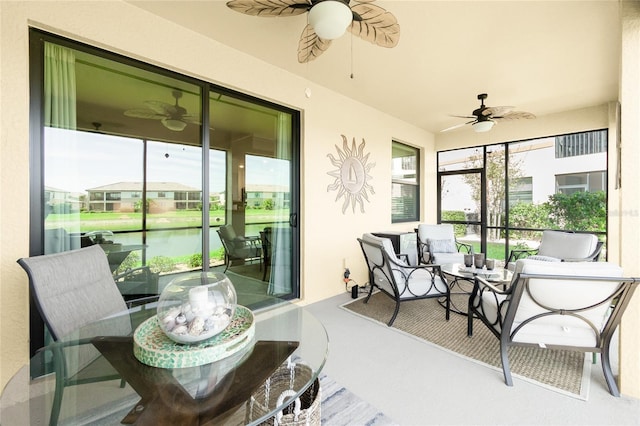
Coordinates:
x,y
555,305
237,248
71,290
398,280
438,244
561,246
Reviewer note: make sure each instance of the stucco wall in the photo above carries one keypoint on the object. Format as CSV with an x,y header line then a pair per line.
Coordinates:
x,y
328,235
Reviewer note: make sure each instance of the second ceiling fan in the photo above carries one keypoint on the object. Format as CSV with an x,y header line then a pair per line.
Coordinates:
x,y
328,20
485,117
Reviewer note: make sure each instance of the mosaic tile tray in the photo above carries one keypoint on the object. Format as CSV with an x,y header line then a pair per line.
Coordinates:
x,y
152,347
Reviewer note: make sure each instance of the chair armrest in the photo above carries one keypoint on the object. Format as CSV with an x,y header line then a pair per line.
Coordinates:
x,y
520,254
464,246
487,284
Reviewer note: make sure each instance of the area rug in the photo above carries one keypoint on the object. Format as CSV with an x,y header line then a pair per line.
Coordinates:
x,y
566,372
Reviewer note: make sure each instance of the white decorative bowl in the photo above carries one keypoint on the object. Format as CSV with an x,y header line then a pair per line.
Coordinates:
x,y
196,306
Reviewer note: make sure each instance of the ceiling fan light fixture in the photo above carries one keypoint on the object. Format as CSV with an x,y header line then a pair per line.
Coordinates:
x,y
330,18
174,124
483,126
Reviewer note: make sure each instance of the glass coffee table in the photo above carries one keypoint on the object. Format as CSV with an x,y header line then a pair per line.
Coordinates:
x,y
217,392
460,280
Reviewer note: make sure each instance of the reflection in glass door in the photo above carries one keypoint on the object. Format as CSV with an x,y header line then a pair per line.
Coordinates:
x,y
142,162
252,144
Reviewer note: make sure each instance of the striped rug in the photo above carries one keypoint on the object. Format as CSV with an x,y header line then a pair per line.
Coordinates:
x,y
567,372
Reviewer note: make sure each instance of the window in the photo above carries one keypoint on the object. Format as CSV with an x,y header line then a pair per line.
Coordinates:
x,y
405,187
521,191
581,144
577,182
500,197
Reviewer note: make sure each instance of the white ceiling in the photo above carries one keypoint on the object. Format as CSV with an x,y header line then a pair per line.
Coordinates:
x,y
539,56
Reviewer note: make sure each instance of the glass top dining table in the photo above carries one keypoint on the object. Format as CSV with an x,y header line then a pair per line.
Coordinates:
x,y
218,392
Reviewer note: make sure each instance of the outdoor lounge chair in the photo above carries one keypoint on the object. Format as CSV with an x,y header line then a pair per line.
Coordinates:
x,y
398,280
438,244
561,246
238,248
71,290
555,305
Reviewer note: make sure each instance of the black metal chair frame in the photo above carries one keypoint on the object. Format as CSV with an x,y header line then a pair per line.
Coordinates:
x,y
618,301
265,238
387,267
228,252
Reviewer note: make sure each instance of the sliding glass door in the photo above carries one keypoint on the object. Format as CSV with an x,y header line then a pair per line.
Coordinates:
x,y
149,164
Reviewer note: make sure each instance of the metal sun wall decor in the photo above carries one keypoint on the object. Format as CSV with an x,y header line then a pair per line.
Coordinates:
x,y
352,175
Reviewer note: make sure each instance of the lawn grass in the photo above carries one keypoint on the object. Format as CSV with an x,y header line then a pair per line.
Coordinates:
x,y
121,221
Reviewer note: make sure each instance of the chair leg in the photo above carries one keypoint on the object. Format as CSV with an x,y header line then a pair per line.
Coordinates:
x,y
504,357
448,308
469,321
60,373
606,369
395,313
366,300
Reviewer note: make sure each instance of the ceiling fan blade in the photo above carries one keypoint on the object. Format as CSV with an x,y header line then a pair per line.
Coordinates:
x,y
463,116
310,45
377,25
516,115
144,113
190,119
160,107
497,110
457,126
269,8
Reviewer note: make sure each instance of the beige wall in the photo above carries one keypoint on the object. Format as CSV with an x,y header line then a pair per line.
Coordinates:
x,y
328,235
628,211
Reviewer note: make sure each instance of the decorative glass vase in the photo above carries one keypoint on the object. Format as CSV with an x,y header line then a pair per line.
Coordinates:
x,y
196,306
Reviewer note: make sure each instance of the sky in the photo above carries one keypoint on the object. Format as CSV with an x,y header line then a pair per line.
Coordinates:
x,y
77,161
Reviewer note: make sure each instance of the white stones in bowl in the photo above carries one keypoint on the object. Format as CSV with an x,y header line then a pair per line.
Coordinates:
x,y
186,324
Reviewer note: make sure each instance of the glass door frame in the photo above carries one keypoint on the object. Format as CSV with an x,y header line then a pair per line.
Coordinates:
x,y
482,222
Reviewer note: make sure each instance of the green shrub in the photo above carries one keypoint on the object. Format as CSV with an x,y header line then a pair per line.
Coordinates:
x,y
460,230
161,264
195,261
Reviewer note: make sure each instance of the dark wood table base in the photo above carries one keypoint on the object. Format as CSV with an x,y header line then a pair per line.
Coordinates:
x,y
165,401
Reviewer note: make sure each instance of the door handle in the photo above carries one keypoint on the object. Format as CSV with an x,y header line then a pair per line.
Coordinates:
x,y
293,220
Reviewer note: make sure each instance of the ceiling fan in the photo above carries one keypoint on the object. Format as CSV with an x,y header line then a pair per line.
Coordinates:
x,y
485,117
173,117
328,20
